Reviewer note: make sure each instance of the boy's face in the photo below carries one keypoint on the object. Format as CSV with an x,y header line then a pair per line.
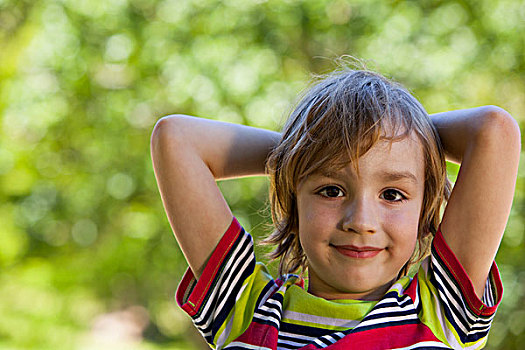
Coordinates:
x,y
358,231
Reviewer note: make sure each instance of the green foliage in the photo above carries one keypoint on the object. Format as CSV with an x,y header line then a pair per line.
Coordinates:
x,y
84,239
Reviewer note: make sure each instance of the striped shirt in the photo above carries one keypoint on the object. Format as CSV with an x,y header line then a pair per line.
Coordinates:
x,y
236,304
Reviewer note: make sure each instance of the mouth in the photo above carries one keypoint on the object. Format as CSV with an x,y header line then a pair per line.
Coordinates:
x,y
364,252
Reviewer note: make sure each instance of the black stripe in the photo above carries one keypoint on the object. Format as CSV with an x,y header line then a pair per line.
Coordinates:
x,y
289,346
404,304
304,330
419,306
271,284
293,338
382,325
266,321
282,338
389,314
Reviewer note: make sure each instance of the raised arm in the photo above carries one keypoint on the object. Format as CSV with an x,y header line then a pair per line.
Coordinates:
x,y
486,141
189,154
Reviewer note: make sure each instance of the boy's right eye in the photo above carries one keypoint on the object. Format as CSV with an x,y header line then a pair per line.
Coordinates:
x,y
331,192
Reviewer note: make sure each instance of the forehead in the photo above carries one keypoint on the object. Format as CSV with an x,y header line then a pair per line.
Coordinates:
x,y
399,159
405,155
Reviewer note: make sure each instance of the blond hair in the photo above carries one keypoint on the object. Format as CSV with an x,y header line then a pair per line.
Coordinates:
x,y
338,120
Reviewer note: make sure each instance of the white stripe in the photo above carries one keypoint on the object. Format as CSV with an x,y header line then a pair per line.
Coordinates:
x,y
402,302
387,320
320,343
417,300
267,319
247,346
224,335
268,293
319,320
274,302
385,311
290,343
339,335
488,298
329,338
425,344
298,337
273,310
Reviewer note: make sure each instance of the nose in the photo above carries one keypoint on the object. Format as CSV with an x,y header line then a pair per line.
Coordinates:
x,y
360,216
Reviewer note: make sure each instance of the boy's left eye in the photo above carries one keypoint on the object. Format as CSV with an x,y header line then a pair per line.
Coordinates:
x,y
392,195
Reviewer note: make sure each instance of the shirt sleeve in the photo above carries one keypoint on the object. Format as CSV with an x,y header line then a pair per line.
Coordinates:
x,y
222,300
464,319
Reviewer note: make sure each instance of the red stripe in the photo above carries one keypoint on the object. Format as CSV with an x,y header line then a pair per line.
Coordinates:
x,y
204,283
461,276
384,338
260,335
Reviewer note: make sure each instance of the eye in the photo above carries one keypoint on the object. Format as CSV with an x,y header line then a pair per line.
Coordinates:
x,y
392,195
331,192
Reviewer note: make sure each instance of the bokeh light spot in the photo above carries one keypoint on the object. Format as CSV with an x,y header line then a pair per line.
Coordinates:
x,y
84,232
120,186
118,48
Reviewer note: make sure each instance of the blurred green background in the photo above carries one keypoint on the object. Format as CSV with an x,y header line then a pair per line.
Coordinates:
x,y
87,258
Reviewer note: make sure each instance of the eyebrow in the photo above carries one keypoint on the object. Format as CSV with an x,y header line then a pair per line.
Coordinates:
x,y
386,175
398,175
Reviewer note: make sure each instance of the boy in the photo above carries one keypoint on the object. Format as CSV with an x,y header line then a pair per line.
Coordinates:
x,y
358,178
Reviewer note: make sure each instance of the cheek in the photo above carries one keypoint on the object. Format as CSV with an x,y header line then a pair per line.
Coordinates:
x,y
403,229
405,224
315,222
309,221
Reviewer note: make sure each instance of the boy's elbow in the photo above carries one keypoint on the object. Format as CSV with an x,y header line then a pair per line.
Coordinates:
x,y
167,133
164,127
500,127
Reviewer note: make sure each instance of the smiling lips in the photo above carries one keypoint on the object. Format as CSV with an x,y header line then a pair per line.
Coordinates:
x,y
358,252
